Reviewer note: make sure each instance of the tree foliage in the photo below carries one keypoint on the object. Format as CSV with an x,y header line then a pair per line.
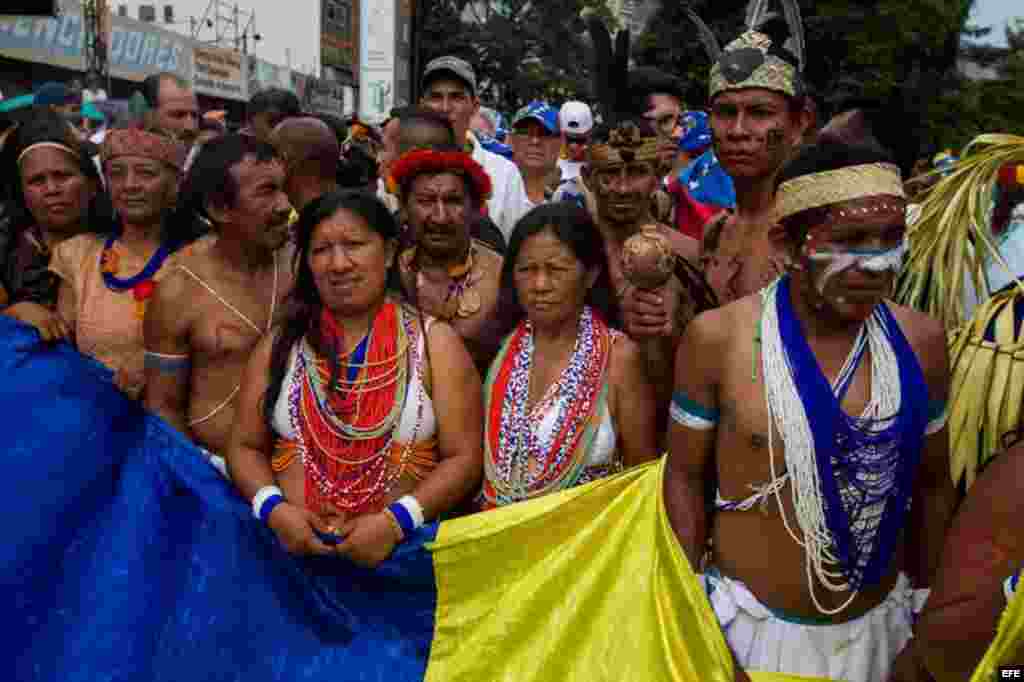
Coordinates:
x,y
899,58
521,49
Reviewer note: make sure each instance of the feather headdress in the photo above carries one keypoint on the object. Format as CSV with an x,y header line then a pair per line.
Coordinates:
x,y
770,53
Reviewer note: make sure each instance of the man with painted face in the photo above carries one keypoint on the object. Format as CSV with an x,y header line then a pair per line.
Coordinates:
x,y
808,469
210,312
759,113
445,272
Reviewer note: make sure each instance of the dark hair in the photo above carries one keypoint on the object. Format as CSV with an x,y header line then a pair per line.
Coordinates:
x,y
151,86
210,180
283,100
304,302
574,227
645,81
825,155
357,168
48,126
410,118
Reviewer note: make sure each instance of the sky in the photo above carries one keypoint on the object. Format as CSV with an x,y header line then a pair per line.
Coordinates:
x,y
995,13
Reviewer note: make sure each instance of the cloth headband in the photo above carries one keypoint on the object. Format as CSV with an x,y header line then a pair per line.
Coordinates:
x,y
47,145
836,186
625,144
748,63
135,142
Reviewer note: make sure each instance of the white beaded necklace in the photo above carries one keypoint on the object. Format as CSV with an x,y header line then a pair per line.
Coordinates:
x,y
786,412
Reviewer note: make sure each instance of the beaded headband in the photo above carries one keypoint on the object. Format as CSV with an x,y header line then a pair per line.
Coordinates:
x,y
626,143
421,161
137,142
836,186
47,145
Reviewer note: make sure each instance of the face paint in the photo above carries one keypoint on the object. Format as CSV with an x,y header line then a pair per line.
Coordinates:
x,y
876,261
774,140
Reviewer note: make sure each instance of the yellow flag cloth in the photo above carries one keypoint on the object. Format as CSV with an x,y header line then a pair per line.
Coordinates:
x,y
1009,637
589,584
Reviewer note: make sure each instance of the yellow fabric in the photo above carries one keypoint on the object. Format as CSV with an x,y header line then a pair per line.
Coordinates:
x,y
588,584
1010,636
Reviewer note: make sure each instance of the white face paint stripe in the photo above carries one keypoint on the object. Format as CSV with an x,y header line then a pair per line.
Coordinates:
x,y
875,261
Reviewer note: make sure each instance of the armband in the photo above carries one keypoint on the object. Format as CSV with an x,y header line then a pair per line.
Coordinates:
x,y
938,415
686,412
1010,586
408,513
265,500
169,364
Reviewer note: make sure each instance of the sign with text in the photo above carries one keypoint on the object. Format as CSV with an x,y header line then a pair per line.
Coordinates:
x,y
377,63
218,72
135,50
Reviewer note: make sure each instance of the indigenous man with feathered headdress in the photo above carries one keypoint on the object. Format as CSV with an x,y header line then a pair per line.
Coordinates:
x,y
658,287
759,114
808,427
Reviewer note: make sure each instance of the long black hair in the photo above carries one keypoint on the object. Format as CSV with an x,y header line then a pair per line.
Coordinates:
x,y
574,227
304,304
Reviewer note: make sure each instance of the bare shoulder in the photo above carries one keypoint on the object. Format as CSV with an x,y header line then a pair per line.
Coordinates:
x,y
442,337
926,335
490,260
625,365
718,325
682,245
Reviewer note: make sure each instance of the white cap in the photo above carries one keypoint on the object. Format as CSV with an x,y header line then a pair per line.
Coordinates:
x,y
575,118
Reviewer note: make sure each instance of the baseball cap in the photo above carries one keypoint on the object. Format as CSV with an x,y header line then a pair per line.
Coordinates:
x,y
696,131
575,118
459,68
542,112
54,93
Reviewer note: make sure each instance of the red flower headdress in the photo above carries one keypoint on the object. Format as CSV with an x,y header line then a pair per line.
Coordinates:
x,y
421,161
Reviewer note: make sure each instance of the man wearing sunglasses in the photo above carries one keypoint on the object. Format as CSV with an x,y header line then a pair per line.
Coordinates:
x,y
535,143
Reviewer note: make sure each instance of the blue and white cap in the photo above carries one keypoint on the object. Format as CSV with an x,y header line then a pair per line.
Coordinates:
x,y
696,131
542,112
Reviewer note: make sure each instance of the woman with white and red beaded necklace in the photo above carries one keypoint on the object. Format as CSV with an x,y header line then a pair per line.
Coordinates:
x,y
566,400
359,420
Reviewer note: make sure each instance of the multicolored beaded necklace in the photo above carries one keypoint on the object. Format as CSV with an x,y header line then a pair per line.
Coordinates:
x,y
346,424
518,462
462,299
141,285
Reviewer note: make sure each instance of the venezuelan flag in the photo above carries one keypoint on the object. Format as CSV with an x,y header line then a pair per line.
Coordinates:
x,y
127,557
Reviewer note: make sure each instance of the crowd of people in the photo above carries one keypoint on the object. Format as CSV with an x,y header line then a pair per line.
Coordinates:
x,y
370,328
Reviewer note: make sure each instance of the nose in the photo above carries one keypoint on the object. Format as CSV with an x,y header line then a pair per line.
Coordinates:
x,y
52,186
738,126
340,260
439,213
540,282
617,181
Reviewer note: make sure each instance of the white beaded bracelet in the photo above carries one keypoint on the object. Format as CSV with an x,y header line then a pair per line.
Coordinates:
x,y
262,496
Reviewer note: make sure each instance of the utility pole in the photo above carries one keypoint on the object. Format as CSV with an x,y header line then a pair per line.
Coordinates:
x,y
94,14
231,26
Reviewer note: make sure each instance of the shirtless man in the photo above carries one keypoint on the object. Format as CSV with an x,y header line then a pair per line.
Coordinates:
x,y
310,152
205,318
446,273
754,412
759,115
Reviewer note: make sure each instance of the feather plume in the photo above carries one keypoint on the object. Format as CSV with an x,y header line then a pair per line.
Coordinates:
x,y
755,13
706,36
620,67
604,86
791,8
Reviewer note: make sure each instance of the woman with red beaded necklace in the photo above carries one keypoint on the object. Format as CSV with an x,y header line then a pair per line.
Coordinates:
x,y
360,419
567,400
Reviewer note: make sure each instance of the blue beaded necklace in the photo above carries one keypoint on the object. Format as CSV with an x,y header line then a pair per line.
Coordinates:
x,y
116,283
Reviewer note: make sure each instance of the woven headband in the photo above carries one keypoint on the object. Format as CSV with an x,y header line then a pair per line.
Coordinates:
x,y
626,143
135,142
46,145
836,186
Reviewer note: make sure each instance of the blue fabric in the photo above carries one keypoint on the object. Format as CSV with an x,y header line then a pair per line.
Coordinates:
x,y
696,131
127,557
495,147
839,441
539,111
707,181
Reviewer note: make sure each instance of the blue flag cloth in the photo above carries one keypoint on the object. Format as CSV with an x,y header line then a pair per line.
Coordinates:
x,y
707,181
127,557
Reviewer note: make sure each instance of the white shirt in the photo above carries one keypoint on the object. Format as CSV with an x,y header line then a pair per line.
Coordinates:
x,y
570,169
508,201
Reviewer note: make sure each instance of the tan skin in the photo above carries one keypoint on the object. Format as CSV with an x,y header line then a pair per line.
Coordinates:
x,y
536,153
623,194
57,194
665,112
349,262
576,146
452,97
298,141
983,548
177,111
551,284
184,318
713,368
140,190
438,208
755,131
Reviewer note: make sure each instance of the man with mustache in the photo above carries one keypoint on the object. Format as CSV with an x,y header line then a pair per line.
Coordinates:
x,y
207,316
445,272
808,468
